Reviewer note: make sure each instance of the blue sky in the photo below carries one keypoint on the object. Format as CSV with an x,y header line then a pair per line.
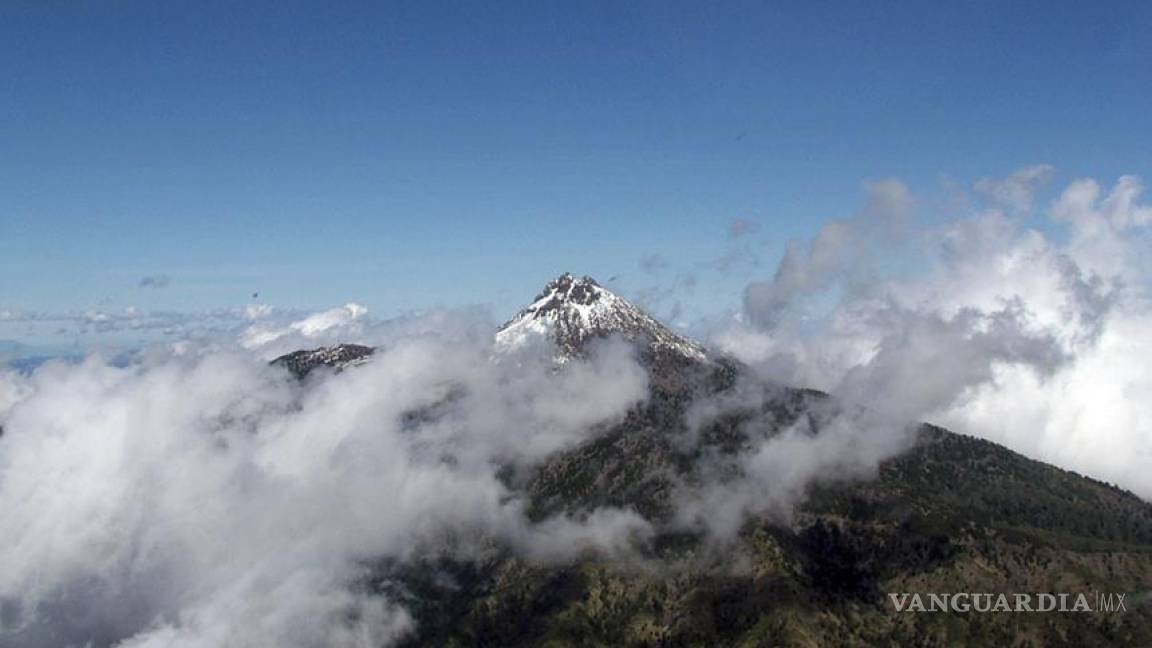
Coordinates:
x,y
407,155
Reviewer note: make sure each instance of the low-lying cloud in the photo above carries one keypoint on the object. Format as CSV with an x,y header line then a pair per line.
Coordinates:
x,y
200,497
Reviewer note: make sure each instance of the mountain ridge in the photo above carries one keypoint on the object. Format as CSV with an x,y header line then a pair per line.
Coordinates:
x,y
951,513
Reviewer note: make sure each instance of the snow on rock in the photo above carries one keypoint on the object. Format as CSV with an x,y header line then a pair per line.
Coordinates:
x,y
571,311
338,357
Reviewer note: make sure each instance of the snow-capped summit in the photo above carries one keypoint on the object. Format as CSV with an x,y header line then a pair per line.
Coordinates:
x,y
573,310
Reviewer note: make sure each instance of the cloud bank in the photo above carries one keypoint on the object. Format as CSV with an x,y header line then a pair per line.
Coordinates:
x,y
1030,328
200,497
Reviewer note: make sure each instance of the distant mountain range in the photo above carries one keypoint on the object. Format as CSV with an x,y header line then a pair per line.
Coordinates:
x,y
951,514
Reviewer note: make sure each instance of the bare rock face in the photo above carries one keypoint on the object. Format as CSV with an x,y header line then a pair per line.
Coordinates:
x,y
338,357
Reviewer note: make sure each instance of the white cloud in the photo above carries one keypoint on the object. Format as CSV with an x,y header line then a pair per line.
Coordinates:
x,y
772,478
810,268
216,501
1018,190
257,311
339,322
1036,341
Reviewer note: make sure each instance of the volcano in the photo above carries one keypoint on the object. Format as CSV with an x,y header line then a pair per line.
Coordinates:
x,y
948,513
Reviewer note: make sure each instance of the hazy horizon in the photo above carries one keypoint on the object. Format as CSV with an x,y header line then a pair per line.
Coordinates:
x,y
183,159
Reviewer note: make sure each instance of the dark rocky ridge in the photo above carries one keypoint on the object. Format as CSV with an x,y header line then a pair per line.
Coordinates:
x,y
338,357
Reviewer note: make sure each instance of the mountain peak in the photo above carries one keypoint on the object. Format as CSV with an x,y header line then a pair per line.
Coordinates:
x,y
567,289
338,357
571,311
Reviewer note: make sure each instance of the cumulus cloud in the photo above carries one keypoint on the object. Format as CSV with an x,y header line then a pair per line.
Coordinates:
x,y
199,497
810,268
1033,338
1017,191
342,321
